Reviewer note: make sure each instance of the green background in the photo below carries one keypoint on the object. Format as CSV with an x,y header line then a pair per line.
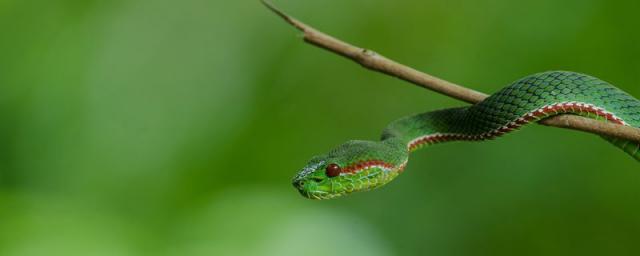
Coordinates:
x,y
157,127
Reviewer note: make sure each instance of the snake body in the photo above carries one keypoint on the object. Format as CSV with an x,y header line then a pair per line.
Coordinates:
x,y
364,165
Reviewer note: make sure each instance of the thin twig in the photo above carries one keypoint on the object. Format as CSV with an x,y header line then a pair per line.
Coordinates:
x,y
379,63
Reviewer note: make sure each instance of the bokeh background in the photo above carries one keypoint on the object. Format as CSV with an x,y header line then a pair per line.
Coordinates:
x,y
157,127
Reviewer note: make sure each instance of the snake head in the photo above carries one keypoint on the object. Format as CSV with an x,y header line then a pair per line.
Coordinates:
x,y
351,167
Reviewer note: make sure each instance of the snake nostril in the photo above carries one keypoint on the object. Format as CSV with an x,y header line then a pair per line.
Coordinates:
x,y
298,183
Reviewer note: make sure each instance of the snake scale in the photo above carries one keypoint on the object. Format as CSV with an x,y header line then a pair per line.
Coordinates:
x,y
364,165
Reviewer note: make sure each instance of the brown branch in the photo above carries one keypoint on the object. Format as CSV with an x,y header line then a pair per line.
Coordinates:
x,y
379,63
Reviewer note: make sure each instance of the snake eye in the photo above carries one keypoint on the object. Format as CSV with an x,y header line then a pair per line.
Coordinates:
x,y
332,170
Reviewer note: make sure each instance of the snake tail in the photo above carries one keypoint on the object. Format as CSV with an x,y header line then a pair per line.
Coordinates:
x,y
364,165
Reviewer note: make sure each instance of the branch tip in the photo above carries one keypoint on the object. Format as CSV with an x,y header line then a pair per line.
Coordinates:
x,y
286,17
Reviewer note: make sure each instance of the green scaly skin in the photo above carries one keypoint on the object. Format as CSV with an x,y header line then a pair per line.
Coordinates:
x,y
365,165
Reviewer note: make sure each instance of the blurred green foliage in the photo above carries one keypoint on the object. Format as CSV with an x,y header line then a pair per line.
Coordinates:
x,y
156,127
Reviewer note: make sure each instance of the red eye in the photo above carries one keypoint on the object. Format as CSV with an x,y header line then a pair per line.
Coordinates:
x,y
333,170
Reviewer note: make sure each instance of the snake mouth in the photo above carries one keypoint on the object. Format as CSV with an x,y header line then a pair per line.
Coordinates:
x,y
312,192
321,195
316,195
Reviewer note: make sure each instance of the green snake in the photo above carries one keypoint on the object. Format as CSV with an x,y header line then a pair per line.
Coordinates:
x,y
364,165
